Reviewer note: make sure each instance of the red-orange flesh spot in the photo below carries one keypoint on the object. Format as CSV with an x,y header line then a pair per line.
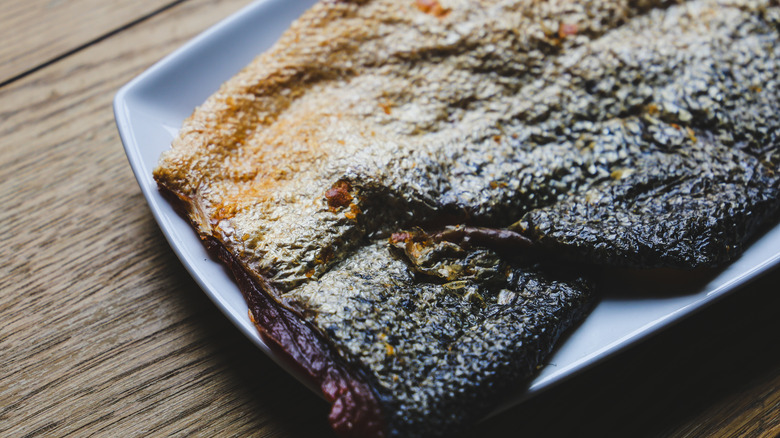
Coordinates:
x,y
432,7
566,29
338,195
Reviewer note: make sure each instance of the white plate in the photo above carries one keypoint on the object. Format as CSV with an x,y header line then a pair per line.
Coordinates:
x,y
150,109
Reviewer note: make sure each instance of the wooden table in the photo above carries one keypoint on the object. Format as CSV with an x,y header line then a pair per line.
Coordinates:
x,y
103,332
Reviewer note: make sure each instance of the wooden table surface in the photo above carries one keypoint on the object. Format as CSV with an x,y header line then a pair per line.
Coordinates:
x,y
103,332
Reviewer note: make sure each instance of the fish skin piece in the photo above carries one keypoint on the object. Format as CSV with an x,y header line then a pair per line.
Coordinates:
x,y
616,133
697,168
383,96
443,337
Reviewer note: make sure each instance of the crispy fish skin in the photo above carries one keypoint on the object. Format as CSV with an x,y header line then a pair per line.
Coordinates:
x,y
443,347
696,156
621,133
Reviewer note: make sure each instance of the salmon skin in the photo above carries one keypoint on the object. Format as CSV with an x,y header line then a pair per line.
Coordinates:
x,y
396,185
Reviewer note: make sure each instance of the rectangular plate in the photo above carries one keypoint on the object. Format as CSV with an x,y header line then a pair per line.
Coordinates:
x,y
151,108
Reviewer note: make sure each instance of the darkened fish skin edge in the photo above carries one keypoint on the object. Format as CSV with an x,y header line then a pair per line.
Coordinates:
x,y
355,411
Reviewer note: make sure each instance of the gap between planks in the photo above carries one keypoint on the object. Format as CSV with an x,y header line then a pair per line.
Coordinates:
x,y
6,67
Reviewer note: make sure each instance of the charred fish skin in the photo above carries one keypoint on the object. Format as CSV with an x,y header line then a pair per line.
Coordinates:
x,y
443,335
700,172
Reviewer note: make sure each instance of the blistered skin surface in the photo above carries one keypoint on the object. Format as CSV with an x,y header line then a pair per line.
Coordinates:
x,y
620,133
691,167
445,331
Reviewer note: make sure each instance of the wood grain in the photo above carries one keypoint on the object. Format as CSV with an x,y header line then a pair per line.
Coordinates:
x,y
104,333
36,31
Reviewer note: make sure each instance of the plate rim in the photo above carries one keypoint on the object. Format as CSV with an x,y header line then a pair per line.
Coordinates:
x,y
539,383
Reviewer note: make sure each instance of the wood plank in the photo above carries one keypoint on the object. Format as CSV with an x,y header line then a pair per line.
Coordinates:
x,y
37,31
103,331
